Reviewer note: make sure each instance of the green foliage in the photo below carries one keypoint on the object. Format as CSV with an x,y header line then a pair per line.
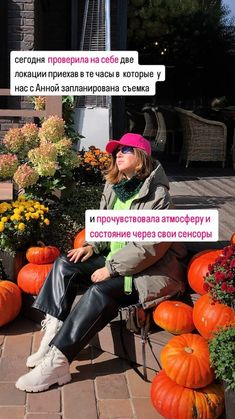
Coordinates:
x,y
195,39
180,27
67,114
222,355
68,213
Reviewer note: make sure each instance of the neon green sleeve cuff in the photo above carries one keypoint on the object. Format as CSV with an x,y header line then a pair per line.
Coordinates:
x,y
128,284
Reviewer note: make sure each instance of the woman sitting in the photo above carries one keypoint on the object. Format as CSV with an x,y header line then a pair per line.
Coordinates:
x,y
133,272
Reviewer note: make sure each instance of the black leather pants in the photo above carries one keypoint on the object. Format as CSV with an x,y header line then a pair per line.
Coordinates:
x,y
96,308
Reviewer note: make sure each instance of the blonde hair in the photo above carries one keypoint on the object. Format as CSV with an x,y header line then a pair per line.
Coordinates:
x,y
143,169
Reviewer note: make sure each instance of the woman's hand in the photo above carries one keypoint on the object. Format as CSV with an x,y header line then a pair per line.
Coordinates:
x,y
82,253
100,275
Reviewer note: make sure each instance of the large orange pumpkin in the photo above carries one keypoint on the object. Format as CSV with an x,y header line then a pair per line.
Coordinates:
x,y
79,239
173,401
185,359
198,267
42,254
174,316
10,301
208,315
31,277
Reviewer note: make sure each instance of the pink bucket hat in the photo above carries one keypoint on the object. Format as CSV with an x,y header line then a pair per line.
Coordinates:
x,y
133,140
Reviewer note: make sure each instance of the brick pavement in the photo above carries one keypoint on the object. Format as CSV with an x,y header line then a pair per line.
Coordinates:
x,y
103,386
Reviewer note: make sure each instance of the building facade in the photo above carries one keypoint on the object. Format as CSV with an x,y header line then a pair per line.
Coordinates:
x,y
56,25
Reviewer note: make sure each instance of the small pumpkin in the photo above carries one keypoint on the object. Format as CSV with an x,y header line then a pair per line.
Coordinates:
x,y
198,267
42,254
174,401
10,301
79,239
232,240
185,359
31,277
174,316
208,315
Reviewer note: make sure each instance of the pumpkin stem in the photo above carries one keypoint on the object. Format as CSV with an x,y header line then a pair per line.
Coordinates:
x,y
40,243
188,350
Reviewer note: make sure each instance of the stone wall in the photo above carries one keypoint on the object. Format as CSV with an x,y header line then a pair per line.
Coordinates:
x,y
20,34
20,25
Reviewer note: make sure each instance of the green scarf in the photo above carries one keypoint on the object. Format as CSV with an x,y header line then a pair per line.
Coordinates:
x,y
127,188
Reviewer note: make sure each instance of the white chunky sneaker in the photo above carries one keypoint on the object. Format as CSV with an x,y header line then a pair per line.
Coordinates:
x,y
51,325
53,369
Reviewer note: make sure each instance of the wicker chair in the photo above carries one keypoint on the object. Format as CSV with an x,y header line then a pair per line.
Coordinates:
x,y
150,130
203,139
155,128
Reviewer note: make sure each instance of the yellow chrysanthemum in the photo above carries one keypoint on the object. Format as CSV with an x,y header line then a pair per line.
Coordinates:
x,y
46,221
21,198
4,207
17,211
34,215
4,219
21,226
2,226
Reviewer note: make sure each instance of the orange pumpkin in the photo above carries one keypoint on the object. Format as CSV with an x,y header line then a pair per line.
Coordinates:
x,y
79,239
198,267
174,401
185,359
174,316
208,315
232,240
10,301
42,254
31,277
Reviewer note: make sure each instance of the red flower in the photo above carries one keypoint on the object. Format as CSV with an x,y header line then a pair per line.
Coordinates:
x,y
219,281
230,289
224,263
206,287
218,260
228,252
224,287
230,275
210,269
232,263
220,276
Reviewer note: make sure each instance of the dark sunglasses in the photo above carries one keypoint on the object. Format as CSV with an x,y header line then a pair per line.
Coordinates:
x,y
124,150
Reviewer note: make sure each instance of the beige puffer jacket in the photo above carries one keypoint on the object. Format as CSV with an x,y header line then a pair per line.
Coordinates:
x,y
157,267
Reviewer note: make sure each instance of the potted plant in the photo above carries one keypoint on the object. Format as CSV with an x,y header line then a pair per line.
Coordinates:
x,y
222,357
40,161
22,223
220,278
